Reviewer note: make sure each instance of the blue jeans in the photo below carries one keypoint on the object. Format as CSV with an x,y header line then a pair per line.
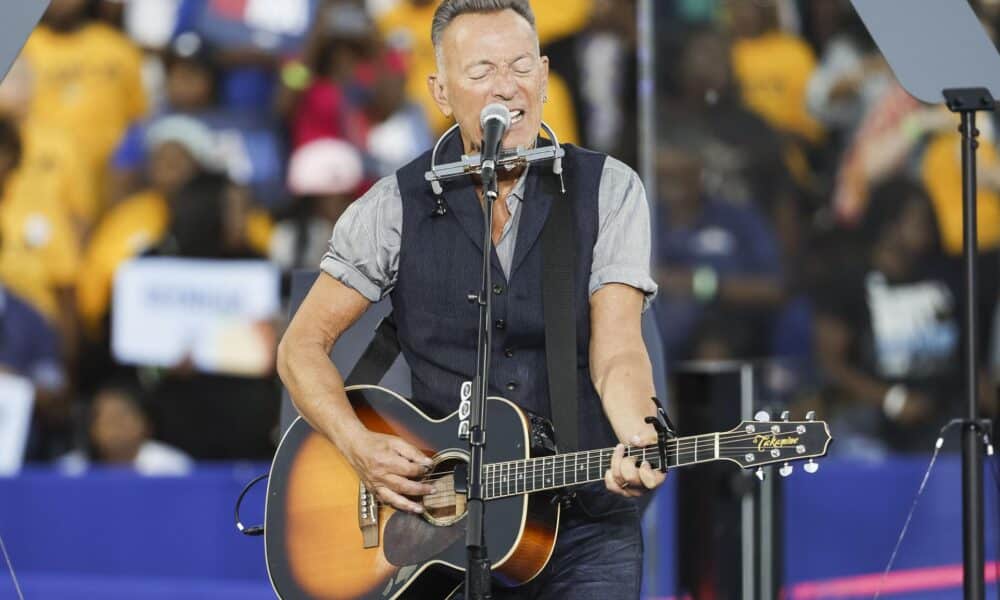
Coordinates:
x,y
598,554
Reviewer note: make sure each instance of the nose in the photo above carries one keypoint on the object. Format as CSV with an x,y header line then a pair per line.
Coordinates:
x,y
504,85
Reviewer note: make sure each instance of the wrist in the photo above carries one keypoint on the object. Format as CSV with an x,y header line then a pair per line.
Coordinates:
x,y
894,401
346,432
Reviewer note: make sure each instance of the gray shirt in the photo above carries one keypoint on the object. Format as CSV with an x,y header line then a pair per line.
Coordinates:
x,y
364,249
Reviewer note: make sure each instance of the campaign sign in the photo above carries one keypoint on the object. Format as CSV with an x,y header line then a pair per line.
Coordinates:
x,y
16,400
278,25
215,315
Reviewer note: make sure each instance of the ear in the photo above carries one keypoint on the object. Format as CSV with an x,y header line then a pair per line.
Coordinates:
x,y
435,84
545,75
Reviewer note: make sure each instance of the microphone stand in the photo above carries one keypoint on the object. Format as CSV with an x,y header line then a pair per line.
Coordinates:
x,y
477,574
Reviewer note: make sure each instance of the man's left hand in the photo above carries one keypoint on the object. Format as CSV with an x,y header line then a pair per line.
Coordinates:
x,y
629,479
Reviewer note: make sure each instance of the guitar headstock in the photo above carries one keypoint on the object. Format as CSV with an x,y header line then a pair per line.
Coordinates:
x,y
754,444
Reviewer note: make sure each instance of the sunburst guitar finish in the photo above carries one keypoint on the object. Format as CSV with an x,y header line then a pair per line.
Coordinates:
x,y
314,535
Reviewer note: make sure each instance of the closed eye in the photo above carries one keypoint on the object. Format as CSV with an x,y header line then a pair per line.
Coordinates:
x,y
524,65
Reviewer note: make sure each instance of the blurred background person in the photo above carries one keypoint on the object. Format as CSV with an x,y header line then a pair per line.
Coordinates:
x,y
888,329
353,87
598,67
88,80
119,433
718,264
324,176
30,348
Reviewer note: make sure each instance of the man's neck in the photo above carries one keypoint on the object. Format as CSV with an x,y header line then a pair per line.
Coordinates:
x,y
506,182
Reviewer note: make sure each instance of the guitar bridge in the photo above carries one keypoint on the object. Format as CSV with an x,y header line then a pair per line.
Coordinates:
x,y
368,517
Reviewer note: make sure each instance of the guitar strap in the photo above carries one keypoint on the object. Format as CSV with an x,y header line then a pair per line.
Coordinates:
x,y
378,357
558,311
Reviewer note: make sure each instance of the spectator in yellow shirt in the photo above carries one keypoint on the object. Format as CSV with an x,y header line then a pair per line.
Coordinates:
x,y
38,247
773,68
53,172
87,80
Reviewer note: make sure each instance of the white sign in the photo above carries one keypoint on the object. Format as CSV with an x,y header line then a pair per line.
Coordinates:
x,y
17,397
217,314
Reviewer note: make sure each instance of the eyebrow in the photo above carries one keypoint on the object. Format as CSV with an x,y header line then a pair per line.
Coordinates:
x,y
490,63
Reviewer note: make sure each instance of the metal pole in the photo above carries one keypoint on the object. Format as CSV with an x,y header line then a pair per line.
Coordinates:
x,y
646,41
748,504
646,52
972,458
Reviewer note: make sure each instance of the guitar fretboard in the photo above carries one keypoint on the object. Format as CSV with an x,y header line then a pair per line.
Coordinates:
x,y
561,470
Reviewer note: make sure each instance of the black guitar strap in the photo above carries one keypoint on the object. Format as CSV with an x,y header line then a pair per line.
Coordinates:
x,y
378,357
559,312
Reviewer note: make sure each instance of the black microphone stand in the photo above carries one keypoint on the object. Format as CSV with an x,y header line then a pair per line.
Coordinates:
x,y
477,574
967,102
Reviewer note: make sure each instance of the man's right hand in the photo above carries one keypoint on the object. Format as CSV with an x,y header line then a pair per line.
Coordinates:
x,y
388,466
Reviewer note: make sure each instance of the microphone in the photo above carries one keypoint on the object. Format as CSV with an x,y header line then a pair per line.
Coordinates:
x,y
495,119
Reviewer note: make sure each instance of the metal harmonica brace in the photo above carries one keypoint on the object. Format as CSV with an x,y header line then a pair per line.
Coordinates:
x,y
509,159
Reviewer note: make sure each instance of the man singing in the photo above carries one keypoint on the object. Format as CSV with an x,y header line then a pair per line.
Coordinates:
x,y
393,241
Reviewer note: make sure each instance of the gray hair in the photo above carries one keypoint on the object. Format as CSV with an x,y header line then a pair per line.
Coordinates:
x,y
449,10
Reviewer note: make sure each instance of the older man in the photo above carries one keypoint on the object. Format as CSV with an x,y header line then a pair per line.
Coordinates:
x,y
393,241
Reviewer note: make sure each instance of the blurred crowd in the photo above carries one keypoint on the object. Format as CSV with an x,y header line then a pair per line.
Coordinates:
x,y
808,210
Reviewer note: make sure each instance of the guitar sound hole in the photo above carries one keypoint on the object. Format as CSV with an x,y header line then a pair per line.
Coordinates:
x,y
445,506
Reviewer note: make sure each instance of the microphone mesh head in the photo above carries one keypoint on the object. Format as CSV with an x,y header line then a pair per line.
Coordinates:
x,y
495,111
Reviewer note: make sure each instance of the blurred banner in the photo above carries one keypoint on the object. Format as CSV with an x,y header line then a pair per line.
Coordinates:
x,y
16,400
269,24
212,315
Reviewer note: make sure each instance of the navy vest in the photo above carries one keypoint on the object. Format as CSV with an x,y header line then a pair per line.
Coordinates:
x,y
440,264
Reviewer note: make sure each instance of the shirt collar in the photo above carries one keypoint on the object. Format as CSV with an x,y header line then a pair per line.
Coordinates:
x,y
517,194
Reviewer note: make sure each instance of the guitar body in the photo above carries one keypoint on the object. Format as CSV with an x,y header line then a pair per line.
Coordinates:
x,y
315,544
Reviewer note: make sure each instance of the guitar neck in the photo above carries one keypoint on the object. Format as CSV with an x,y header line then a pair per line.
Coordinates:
x,y
552,472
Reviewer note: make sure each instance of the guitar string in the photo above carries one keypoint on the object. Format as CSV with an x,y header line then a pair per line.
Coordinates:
x,y
651,453
513,479
687,447
499,484
686,444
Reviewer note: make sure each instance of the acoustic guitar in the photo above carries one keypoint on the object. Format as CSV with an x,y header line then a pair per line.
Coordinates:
x,y
328,537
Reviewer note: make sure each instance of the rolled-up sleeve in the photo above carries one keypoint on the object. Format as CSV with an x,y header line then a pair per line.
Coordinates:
x,y
622,250
363,252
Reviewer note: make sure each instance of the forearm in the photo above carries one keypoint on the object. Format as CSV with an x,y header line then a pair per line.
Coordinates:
x,y
625,386
317,389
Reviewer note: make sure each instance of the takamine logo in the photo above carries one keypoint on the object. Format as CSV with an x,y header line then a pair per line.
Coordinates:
x,y
766,442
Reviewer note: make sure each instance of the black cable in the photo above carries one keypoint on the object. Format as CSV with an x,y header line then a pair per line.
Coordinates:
x,y
256,529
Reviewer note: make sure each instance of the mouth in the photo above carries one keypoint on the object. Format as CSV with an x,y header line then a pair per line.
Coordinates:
x,y
516,116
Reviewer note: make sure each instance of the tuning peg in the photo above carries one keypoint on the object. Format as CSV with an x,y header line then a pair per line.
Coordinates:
x,y
762,416
811,415
812,466
759,473
784,415
786,470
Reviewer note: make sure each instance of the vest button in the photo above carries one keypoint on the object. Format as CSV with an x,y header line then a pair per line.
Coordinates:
x,y
509,353
511,386
498,289
501,324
